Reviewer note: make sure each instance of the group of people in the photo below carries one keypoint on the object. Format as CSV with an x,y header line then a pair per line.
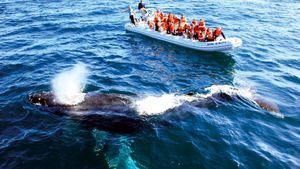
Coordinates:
x,y
178,26
171,24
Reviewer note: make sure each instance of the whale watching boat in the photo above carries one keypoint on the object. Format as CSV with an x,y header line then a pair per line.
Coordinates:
x,y
219,44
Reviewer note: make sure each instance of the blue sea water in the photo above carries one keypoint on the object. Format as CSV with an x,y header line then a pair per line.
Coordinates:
x,y
40,38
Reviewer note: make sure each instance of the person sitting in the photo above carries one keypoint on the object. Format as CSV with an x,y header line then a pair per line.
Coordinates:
x,y
151,25
196,31
159,14
194,22
165,18
218,32
176,26
170,18
201,36
145,14
171,29
157,25
202,25
141,5
180,29
190,32
209,35
183,20
156,19
164,26
160,27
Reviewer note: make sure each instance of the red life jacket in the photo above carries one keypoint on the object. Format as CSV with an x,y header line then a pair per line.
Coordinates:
x,y
218,32
191,29
202,23
161,15
164,25
202,28
196,29
180,29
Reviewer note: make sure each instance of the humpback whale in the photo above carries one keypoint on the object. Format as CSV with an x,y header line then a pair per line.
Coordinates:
x,y
108,112
117,113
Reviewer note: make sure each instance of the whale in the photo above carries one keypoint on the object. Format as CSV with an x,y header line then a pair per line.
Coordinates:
x,y
117,113
108,112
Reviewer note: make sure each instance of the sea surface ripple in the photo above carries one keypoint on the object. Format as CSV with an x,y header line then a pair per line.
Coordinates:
x,y
39,38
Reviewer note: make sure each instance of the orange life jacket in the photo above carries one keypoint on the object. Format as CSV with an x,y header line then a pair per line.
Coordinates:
x,y
202,23
196,29
183,19
155,19
218,32
161,16
202,28
164,26
180,29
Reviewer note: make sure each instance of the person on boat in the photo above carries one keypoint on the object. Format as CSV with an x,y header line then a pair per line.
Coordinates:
x,y
171,28
141,5
176,26
218,33
160,27
164,26
196,31
145,14
182,20
180,29
201,36
156,19
209,35
202,25
131,15
159,14
194,22
190,33
157,25
165,18
151,25
171,18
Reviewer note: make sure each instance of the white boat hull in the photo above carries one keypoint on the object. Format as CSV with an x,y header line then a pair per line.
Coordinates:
x,y
224,45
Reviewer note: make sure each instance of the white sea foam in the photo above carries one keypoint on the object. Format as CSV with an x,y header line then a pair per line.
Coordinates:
x,y
68,85
230,90
153,105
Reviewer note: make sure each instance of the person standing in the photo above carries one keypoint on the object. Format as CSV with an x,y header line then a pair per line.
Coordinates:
x,y
131,15
141,5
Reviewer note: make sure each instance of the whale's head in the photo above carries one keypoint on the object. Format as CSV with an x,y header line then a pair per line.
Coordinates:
x,y
43,99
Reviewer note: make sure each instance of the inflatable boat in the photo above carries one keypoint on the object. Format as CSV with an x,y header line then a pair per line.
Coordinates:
x,y
219,45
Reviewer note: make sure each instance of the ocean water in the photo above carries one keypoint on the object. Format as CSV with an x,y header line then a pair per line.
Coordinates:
x,y
40,38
